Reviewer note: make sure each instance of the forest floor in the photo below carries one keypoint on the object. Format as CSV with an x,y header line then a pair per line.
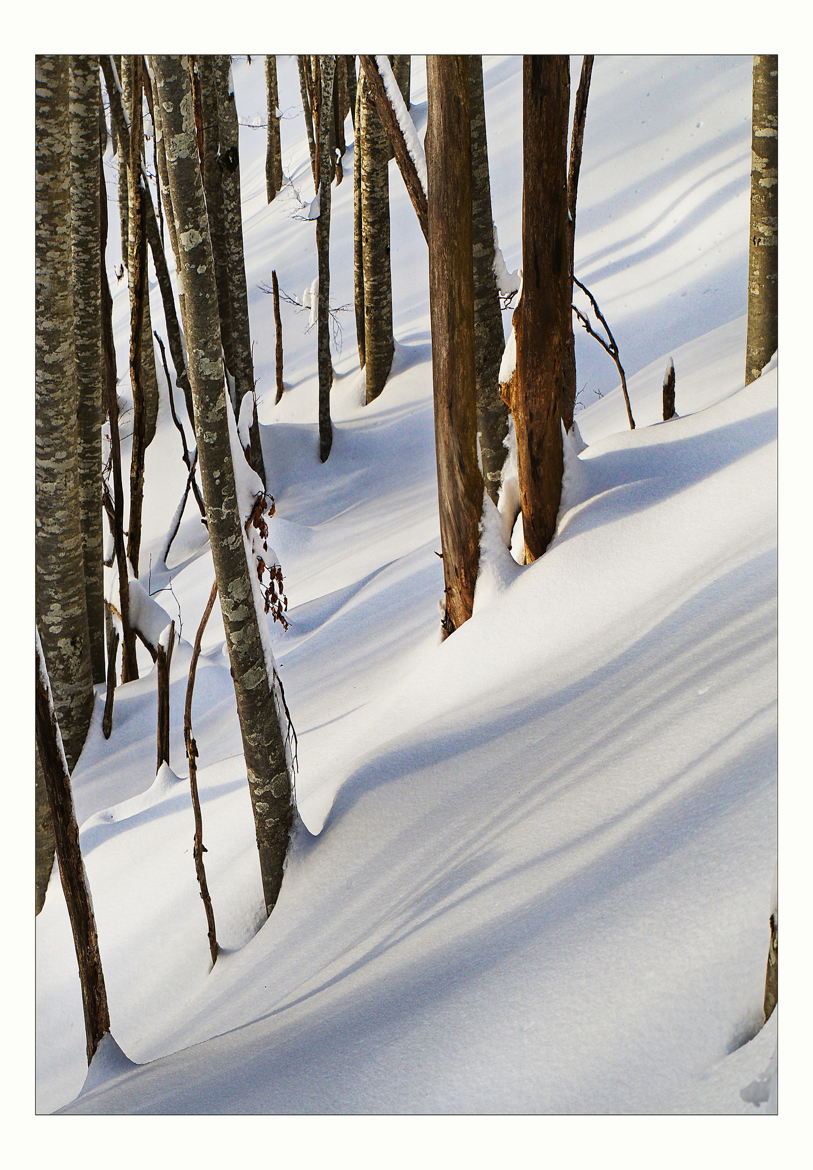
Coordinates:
x,y
534,864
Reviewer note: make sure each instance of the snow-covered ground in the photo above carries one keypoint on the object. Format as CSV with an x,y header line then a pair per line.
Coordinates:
x,y
536,862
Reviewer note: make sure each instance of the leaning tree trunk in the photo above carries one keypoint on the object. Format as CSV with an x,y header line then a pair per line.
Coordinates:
x,y
489,340
375,220
71,866
273,150
762,338
451,304
327,67
61,606
87,316
263,743
542,319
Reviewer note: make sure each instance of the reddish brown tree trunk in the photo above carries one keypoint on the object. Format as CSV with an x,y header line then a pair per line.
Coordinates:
x,y
451,302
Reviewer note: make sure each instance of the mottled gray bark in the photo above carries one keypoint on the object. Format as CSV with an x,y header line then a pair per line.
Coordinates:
x,y
489,340
451,305
71,867
306,93
763,327
358,233
375,220
352,86
402,71
327,68
263,743
273,149
87,316
60,601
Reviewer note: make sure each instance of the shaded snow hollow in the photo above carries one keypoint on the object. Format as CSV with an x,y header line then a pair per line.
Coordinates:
x,y
536,861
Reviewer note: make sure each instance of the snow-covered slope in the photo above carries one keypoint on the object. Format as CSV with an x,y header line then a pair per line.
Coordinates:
x,y
535,863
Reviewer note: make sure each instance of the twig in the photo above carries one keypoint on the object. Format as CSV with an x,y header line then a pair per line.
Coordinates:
x,y
199,848
186,458
278,328
610,346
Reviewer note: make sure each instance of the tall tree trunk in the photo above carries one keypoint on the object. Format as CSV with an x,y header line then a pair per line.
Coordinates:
x,y
61,606
402,69
273,150
542,319
569,387
358,232
228,158
87,315
71,866
352,86
375,219
489,340
763,328
263,743
327,66
451,303
306,92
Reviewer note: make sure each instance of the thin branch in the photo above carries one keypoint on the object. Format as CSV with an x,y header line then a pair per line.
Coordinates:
x,y
610,346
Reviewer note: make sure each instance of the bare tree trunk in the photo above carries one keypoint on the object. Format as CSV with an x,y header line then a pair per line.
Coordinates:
x,y
306,91
110,690
402,68
489,340
339,113
278,331
569,388
87,314
273,150
451,302
163,662
771,997
61,607
352,85
669,392
263,743
375,219
358,233
542,319
763,328
198,848
71,866
327,67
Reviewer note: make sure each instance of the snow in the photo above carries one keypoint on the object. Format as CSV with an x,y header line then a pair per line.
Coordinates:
x,y
535,863
413,143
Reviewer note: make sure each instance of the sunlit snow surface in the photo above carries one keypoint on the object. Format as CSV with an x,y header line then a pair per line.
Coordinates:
x,y
536,861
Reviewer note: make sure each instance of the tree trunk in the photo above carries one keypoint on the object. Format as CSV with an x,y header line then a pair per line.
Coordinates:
x,y
669,392
278,332
569,387
263,743
762,339
489,339
61,607
71,865
402,69
352,86
358,233
163,662
542,319
305,89
87,315
451,303
375,220
327,66
273,150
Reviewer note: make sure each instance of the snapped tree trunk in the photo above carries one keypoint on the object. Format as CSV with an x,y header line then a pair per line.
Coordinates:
x,y
60,599
71,866
451,303
763,329
278,351
263,742
327,66
273,149
87,316
489,340
375,223
542,319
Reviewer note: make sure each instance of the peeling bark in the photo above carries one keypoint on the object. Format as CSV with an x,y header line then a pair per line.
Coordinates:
x,y
263,742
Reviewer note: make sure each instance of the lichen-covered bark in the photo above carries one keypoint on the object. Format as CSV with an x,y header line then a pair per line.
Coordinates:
x,y
263,744
273,150
451,304
358,231
762,337
375,221
87,315
489,341
543,318
61,607
327,69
